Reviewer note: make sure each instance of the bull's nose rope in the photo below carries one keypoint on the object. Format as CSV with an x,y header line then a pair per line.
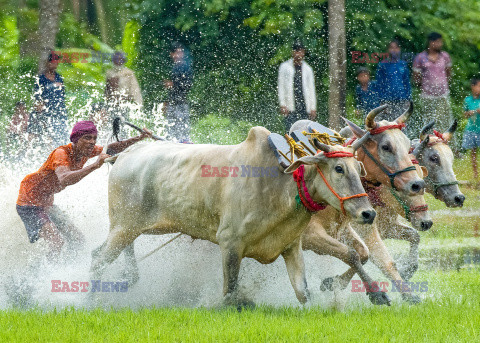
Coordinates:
x,y
408,210
307,201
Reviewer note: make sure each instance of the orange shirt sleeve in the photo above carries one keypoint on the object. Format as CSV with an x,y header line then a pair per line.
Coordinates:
x,y
60,158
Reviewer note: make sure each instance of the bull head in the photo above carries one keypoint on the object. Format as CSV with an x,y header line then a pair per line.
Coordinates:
x,y
309,160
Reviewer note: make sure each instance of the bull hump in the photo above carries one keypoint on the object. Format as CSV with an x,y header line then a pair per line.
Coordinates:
x,y
257,133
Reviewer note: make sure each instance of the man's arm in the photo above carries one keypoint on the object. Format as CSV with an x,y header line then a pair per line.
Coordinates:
x,y
67,177
117,147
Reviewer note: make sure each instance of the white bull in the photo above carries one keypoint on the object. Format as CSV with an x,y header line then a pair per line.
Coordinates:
x,y
159,188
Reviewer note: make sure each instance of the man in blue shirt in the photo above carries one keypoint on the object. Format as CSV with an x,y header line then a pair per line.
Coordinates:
x,y
393,81
366,95
50,101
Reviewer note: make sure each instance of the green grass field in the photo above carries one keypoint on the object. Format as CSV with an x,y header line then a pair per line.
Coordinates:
x,y
449,313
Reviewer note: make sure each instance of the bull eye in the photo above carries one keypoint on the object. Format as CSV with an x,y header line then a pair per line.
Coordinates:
x,y
386,147
339,170
435,159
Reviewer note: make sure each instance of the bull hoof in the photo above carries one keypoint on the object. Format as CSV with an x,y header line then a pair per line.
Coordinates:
x,y
379,298
239,304
412,299
327,284
407,272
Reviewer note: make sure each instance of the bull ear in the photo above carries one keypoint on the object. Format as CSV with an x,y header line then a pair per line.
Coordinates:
x,y
449,134
356,130
421,146
370,118
359,142
425,129
306,160
404,117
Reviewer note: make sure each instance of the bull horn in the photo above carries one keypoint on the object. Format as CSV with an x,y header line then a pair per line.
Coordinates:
x,y
419,148
356,130
404,117
425,129
359,142
346,132
449,134
370,119
323,147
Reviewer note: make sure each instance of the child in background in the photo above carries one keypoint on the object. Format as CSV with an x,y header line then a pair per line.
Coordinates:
x,y
366,93
471,135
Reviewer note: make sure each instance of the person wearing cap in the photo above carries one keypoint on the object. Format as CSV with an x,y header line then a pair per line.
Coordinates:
x,y
366,93
63,167
50,101
296,88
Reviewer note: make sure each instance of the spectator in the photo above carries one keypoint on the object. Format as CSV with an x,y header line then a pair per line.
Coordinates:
x,y
366,93
393,83
50,100
177,108
296,88
471,135
431,71
121,84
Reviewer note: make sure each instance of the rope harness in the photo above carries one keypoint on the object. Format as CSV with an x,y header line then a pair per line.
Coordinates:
x,y
308,203
324,137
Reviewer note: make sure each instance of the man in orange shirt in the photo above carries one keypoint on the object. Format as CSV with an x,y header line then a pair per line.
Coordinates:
x,y
64,167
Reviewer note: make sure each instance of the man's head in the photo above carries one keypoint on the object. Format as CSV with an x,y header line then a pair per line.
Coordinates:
x,y
177,52
394,49
52,62
298,52
435,41
84,137
363,75
119,58
475,85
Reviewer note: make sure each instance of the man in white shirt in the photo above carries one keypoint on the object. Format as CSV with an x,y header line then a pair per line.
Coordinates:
x,y
296,88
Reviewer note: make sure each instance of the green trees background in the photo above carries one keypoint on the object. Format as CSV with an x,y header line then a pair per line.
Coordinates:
x,y
236,46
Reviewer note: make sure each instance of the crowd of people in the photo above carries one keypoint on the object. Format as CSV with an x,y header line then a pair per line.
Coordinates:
x,y
46,124
392,86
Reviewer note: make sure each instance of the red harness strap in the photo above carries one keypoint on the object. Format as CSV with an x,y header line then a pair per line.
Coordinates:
x,y
381,129
312,206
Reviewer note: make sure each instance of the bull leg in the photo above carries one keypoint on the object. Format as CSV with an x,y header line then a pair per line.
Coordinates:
x,y
231,259
116,241
409,234
131,267
296,270
380,256
316,239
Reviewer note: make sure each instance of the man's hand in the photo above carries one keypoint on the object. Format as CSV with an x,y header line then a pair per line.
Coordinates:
x,y
146,133
100,160
39,106
284,111
313,114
